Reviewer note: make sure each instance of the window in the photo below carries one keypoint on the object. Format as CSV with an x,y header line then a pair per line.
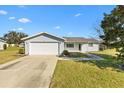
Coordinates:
x,y
90,44
70,45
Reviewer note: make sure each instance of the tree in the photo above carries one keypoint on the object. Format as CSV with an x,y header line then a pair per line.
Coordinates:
x,y
113,30
14,37
20,36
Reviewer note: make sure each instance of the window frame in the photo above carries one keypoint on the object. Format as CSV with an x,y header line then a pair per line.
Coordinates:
x,y
70,45
90,44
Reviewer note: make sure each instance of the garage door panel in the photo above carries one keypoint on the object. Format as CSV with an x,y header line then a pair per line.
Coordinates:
x,y
43,49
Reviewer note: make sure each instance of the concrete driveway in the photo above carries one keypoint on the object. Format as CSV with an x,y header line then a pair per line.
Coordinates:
x,y
28,72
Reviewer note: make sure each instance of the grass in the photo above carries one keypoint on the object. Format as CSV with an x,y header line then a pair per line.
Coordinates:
x,y
109,52
74,55
9,54
77,54
89,74
110,59
71,74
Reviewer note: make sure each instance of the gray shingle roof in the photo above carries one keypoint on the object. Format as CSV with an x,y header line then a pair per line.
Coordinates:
x,y
80,39
1,40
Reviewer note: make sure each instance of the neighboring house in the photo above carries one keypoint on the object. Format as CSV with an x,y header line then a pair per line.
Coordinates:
x,y
12,45
2,42
47,44
22,44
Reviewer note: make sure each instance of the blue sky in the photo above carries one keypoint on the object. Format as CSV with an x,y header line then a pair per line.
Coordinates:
x,y
78,21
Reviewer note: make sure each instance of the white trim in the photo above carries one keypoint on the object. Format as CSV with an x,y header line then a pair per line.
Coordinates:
x,y
41,34
2,41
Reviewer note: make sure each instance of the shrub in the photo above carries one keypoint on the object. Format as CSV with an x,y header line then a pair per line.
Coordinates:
x,y
65,53
4,46
21,51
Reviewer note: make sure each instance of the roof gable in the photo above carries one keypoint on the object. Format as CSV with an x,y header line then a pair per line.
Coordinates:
x,y
1,40
44,34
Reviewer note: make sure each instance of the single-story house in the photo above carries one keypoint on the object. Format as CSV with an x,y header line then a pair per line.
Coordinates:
x,y
47,44
2,42
22,44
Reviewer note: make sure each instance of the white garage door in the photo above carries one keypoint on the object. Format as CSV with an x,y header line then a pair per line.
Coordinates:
x,y
43,49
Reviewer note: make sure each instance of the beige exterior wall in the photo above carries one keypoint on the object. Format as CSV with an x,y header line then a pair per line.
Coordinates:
x,y
84,47
87,48
1,45
75,49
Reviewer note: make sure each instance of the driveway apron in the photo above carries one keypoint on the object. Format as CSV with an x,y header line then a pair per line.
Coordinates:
x,y
28,72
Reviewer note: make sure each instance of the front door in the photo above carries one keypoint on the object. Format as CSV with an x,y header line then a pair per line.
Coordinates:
x,y
79,47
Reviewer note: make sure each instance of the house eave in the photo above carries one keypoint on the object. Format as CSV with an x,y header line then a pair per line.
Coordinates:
x,y
2,41
42,33
81,42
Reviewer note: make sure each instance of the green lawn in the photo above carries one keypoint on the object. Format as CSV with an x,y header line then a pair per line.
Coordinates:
x,y
77,54
10,54
89,74
110,52
110,58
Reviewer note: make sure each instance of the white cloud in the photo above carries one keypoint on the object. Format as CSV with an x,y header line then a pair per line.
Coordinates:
x,y
20,29
11,18
24,20
57,27
78,14
70,33
3,12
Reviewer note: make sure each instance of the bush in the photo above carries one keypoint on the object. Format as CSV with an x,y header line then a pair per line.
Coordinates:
x,y
21,51
4,46
65,53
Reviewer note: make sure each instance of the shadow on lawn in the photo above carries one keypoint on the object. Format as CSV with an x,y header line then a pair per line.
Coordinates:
x,y
109,61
